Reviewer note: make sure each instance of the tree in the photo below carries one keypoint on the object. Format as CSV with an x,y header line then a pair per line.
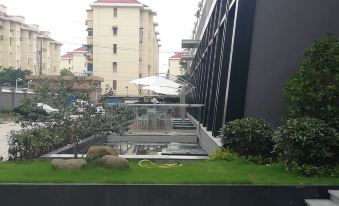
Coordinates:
x,y
66,72
8,76
64,127
314,90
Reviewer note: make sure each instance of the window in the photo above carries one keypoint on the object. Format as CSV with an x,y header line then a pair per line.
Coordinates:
x,y
140,75
90,32
115,48
90,67
115,30
115,85
115,67
115,12
141,35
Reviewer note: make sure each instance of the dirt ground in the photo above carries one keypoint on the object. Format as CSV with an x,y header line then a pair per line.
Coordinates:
x,y
5,128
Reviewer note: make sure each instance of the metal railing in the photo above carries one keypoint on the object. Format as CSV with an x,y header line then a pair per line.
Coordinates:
x,y
162,118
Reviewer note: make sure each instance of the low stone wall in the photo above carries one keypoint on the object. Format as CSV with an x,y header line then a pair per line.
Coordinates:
x,y
155,195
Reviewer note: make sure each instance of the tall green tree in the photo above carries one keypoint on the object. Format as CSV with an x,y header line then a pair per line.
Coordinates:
x,y
314,90
8,76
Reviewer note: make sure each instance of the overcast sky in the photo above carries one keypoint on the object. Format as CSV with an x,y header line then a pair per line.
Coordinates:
x,y
65,19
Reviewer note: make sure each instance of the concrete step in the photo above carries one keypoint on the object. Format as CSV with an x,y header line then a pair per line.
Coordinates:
x,y
334,196
184,128
180,122
187,124
310,202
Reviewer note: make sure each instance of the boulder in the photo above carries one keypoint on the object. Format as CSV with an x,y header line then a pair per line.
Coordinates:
x,y
96,152
68,164
114,162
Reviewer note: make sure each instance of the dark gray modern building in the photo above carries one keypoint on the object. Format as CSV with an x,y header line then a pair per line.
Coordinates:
x,y
246,52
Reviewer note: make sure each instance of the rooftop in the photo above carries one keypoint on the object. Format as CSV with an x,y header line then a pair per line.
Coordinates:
x,y
177,55
69,55
81,49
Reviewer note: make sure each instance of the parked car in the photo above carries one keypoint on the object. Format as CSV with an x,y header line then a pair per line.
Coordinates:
x,y
48,109
100,109
40,110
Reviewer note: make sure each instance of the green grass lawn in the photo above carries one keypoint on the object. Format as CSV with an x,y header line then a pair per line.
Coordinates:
x,y
205,172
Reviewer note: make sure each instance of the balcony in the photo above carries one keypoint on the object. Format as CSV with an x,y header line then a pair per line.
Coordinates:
x,y
190,43
90,14
187,57
89,40
89,56
89,24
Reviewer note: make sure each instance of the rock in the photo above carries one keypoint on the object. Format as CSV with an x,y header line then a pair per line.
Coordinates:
x,y
68,164
114,162
96,152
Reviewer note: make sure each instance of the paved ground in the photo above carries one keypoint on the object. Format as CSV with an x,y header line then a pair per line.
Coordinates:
x,y
4,131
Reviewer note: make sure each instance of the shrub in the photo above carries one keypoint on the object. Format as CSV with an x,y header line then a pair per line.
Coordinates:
x,y
222,154
29,144
259,159
248,137
314,90
308,146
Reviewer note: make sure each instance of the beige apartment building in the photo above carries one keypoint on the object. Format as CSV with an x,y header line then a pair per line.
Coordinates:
x,y
23,46
174,65
75,61
122,44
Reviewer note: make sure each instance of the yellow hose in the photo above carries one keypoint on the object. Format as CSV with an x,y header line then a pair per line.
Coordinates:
x,y
150,164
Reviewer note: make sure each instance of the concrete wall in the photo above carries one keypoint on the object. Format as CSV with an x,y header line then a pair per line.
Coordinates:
x,y
283,29
155,195
11,100
205,138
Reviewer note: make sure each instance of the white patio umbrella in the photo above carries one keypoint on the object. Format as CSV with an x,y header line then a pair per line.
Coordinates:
x,y
163,90
156,81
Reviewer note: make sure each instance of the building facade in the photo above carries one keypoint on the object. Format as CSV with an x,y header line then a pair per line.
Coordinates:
x,y
75,61
174,65
246,52
122,44
23,46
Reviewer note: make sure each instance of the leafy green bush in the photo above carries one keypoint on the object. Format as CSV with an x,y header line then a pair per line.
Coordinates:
x,y
222,154
314,90
248,137
29,144
308,146
259,159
